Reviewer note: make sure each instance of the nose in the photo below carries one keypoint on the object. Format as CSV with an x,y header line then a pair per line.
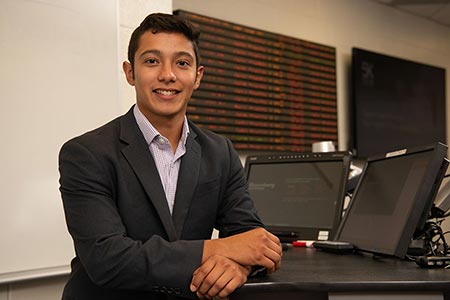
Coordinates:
x,y
166,74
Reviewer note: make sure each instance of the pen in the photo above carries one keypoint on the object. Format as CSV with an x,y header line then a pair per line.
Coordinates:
x,y
300,243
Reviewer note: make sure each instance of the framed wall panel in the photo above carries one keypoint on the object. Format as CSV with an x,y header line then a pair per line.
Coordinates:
x,y
265,91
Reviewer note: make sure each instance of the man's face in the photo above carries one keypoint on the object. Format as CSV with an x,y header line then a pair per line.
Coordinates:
x,y
164,76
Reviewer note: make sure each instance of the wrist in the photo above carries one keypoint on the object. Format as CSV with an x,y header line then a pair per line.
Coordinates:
x,y
212,247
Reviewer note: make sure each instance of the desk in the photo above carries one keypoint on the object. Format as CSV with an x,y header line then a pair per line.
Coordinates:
x,y
307,273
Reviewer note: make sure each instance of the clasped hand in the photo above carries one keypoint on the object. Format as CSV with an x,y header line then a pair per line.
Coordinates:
x,y
227,262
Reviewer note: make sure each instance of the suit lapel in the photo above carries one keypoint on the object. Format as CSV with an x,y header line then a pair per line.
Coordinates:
x,y
187,182
141,161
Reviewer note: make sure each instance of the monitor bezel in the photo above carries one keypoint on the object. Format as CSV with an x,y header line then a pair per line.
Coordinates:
x,y
423,199
288,233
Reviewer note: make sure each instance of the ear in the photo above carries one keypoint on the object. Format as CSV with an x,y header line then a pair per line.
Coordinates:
x,y
198,77
129,74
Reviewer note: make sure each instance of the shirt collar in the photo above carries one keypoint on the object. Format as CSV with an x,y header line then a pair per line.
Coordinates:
x,y
150,132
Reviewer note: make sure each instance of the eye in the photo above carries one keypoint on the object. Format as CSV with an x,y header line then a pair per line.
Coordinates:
x,y
151,61
183,63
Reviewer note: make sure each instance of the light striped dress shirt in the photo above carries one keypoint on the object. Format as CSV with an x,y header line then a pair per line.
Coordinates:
x,y
167,162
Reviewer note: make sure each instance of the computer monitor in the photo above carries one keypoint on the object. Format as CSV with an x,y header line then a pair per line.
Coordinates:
x,y
442,201
299,196
393,199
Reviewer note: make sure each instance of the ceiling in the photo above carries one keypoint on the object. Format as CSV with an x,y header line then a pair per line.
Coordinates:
x,y
437,11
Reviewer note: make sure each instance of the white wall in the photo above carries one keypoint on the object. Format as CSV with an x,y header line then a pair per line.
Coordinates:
x,y
56,59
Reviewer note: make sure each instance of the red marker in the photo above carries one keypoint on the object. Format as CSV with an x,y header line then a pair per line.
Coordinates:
x,y
299,243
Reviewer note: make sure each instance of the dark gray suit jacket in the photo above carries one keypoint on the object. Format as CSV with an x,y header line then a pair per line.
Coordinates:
x,y
128,245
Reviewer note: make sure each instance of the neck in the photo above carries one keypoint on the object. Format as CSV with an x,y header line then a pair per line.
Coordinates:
x,y
170,129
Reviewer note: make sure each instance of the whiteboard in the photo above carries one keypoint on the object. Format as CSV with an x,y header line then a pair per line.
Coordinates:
x,y
58,79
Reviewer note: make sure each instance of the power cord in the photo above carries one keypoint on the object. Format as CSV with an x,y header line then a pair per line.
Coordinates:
x,y
435,243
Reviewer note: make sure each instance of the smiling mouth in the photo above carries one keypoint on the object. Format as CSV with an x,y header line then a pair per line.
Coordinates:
x,y
166,92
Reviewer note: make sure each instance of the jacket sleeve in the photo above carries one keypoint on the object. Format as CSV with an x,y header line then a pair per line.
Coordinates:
x,y
110,257
237,212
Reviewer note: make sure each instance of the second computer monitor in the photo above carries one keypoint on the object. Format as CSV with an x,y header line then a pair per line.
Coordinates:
x,y
393,199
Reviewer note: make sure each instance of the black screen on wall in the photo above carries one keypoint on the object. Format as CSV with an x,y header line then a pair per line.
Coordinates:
x,y
396,103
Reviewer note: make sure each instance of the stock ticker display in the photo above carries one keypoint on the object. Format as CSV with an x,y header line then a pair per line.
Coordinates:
x,y
264,91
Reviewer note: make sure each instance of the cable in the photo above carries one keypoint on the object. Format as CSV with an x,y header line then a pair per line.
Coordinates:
x,y
435,243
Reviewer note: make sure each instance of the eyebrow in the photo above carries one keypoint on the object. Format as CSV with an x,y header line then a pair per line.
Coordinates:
x,y
157,52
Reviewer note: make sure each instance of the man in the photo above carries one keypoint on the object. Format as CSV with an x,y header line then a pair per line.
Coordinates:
x,y
143,193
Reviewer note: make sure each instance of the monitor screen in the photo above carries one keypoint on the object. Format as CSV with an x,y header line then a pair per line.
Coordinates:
x,y
393,198
396,103
302,193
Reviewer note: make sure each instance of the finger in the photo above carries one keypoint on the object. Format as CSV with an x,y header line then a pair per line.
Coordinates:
x,y
228,289
227,283
273,252
275,245
273,237
273,255
277,264
200,274
232,283
220,283
272,260
267,263
210,281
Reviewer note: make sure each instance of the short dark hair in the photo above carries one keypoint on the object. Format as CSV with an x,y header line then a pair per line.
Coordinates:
x,y
160,22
